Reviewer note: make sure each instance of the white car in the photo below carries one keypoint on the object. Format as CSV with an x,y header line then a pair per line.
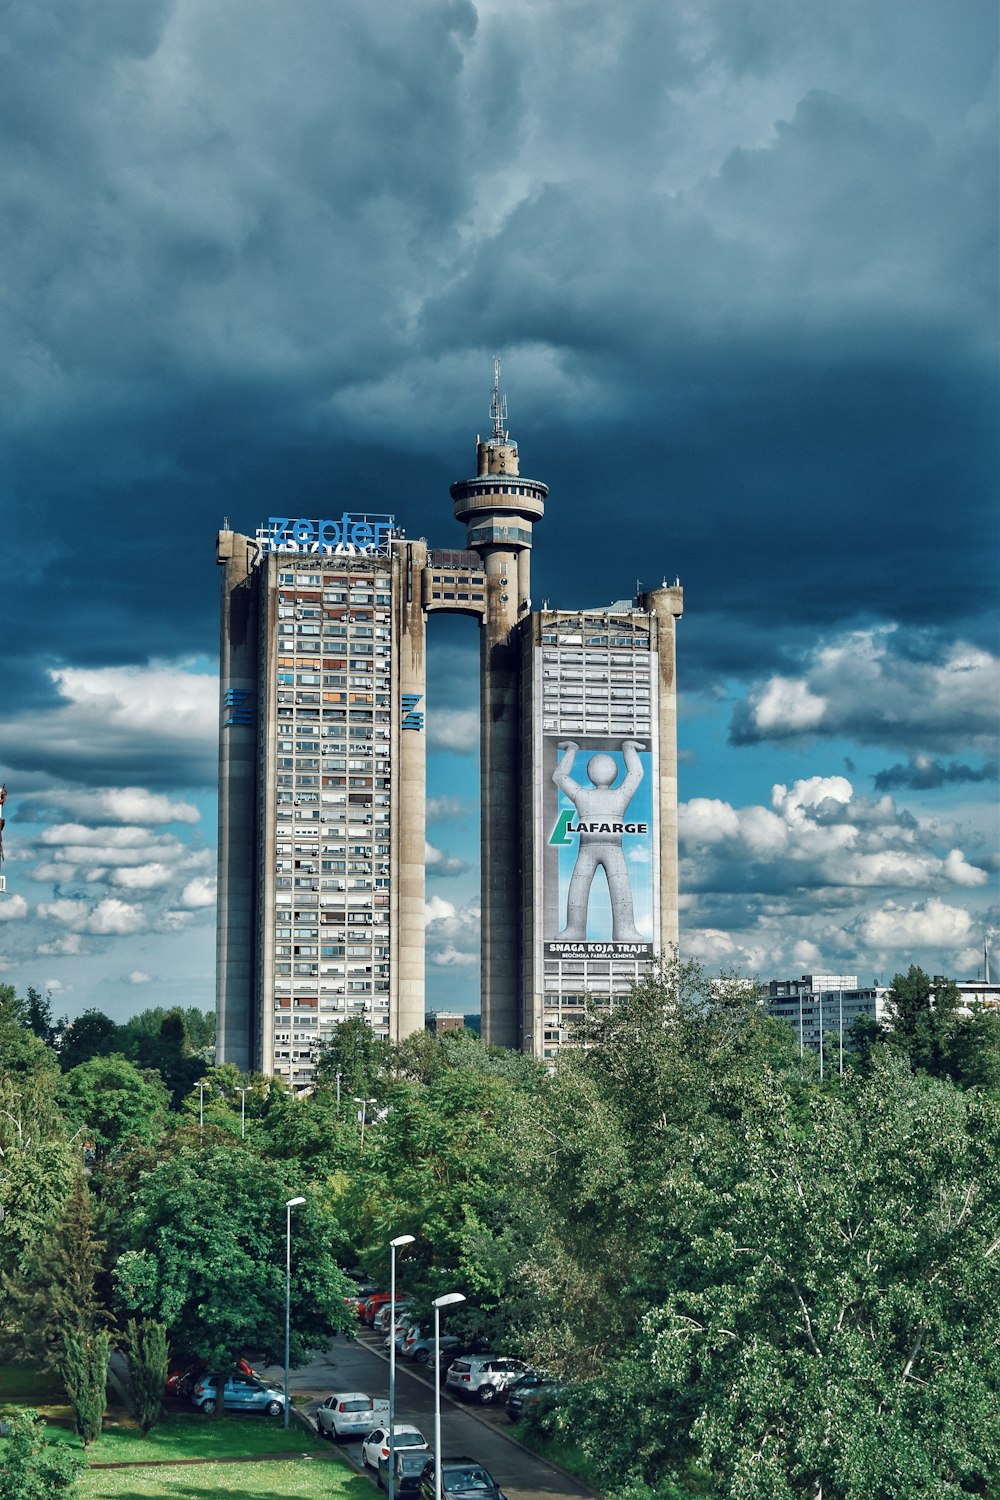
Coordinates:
x,y
376,1444
348,1414
483,1376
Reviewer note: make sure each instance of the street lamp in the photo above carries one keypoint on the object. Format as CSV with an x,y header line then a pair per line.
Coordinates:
x,y
364,1110
290,1204
203,1084
243,1112
394,1245
448,1300
339,1076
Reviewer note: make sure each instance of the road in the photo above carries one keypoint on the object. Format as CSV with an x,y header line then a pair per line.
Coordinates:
x,y
347,1366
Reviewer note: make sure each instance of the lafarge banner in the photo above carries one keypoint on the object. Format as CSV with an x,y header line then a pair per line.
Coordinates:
x,y
599,850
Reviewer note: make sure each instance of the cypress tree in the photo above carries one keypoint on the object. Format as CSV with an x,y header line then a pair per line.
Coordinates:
x,y
60,1317
147,1356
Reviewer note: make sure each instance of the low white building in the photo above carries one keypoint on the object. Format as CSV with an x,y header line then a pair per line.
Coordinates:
x,y
819,1006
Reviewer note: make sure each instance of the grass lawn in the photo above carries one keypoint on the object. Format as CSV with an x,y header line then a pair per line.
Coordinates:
x,y
285,1479
193,1436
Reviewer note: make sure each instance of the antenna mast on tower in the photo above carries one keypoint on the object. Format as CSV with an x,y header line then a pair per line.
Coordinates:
x,y
498,406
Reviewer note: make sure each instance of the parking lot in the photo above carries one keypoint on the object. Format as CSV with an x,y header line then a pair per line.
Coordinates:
x,y
484,1435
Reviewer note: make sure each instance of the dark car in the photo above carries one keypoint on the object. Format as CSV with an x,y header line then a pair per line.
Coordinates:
x,y
531,1393
461,1479
410,1464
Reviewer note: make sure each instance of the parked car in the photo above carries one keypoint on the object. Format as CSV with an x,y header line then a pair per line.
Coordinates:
x,y
181,1376
348,1414
360,1295
529,1393
420,1347
376,1444
461,1479
483,1377
383,1317
371,1305
403,1331
239,1393
409,1467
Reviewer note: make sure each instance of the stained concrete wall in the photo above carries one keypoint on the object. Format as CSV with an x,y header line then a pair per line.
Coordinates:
x,y
236,919
409,794
667,605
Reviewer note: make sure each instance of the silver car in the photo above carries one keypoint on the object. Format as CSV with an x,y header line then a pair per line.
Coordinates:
x,y
483,1377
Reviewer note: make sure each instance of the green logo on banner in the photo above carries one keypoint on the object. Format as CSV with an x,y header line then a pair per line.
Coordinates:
x,y
559,834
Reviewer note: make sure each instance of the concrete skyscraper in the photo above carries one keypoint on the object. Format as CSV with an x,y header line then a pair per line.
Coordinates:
x,y
322,776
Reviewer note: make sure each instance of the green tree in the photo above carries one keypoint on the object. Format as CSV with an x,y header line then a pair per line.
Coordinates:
x,y
920,1020
739,1273
974,1049
108,1100
200,1247
58,1312
92,1034
358,1055
146,1343
35,1469
38,1015
36,1161
84,1370
830,1327
146,1026
168,1049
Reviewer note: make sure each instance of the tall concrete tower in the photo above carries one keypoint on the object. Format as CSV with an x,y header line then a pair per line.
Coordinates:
x,y
499,508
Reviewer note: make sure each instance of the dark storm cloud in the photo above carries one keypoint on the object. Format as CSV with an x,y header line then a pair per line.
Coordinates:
x,y
739,260
927,773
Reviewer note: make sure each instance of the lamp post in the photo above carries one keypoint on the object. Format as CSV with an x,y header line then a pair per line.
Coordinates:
x,y
394,1245
202,1086
243,1112
339,1075
290,1204
364,1110
448,1300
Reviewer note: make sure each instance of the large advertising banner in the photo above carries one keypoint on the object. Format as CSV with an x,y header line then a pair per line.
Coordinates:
x,y
598,855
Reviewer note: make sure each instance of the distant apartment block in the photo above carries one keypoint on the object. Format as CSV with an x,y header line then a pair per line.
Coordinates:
x,y
818,1006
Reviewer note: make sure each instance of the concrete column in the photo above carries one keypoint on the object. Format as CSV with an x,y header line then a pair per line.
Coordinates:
x,y
523,579
667,605
409,793
499,791
235,999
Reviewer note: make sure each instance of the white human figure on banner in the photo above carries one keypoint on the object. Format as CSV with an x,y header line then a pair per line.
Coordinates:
x,y
601,802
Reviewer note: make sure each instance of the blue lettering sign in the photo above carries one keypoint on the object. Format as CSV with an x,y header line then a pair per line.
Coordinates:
x,y
411,719
350,533
239,702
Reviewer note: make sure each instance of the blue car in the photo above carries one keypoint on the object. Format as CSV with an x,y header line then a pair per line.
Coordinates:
x,y
240,1393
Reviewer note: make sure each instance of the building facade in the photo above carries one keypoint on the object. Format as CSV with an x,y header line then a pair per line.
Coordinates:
x,y
822,1008
322,777
598,806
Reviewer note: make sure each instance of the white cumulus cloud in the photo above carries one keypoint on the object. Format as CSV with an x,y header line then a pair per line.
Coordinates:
x,y
452,957
934,925
199,892
454,729
869,685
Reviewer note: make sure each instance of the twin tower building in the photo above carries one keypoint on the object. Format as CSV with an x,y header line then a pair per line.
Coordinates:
x,y
322,777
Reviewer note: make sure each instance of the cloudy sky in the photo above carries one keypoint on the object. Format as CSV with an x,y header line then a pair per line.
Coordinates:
x,y
738,258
